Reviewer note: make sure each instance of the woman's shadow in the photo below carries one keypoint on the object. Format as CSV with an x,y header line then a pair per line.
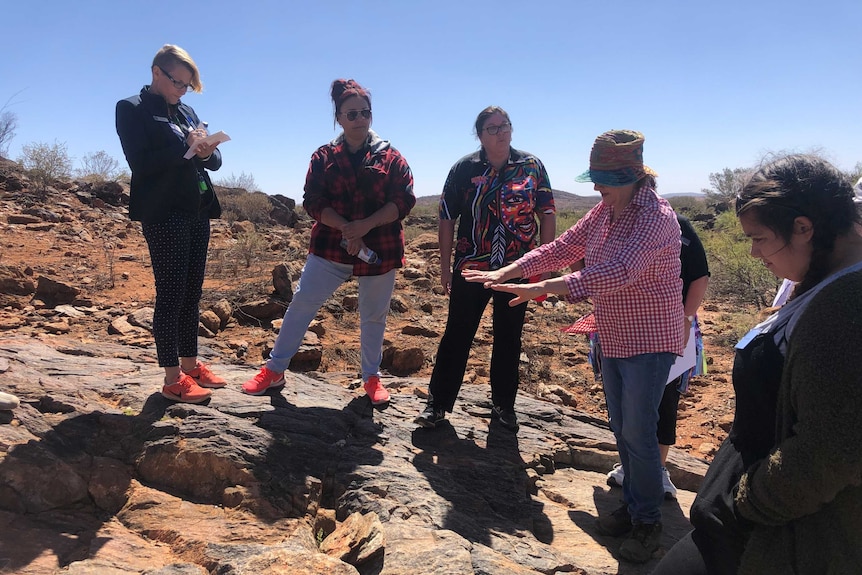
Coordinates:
x,y
487,489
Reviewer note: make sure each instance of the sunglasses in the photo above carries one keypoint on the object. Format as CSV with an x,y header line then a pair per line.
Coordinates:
x,y
177,84
353,114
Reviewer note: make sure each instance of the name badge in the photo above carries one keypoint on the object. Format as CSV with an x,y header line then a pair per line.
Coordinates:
x,y
746,339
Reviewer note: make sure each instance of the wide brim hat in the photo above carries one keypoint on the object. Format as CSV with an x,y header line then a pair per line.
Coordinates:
x,y
617,159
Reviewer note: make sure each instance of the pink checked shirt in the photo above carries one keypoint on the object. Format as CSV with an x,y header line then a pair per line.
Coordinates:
x,y
631,274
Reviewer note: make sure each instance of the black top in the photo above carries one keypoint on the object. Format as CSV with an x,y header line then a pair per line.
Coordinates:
x,y
720,533
691,255
162,180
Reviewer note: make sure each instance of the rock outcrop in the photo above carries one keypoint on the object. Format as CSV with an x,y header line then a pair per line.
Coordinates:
x,y
100,474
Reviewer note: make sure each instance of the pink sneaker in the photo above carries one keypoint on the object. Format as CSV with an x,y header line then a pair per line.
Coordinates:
x,y
264,380
204,377
376,392
185,390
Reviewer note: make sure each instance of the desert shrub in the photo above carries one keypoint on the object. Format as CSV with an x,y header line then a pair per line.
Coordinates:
x,y
254,207
8,123
99,167
243,181
247,248
735,275
566,219
729,327
690,206
45,162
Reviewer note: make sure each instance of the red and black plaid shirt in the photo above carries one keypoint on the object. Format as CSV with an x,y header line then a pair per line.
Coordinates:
x,y
381,176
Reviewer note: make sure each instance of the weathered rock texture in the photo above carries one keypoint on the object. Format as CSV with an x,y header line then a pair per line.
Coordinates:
x,y
100,474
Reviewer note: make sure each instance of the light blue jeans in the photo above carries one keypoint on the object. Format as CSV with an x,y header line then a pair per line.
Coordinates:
x,y
319,280
633,390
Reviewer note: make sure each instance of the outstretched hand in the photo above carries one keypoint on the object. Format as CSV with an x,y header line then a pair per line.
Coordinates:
x,y
495,280
488,279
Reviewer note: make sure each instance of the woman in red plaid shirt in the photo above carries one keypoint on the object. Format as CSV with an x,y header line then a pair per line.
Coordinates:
x,y
358,189
630,243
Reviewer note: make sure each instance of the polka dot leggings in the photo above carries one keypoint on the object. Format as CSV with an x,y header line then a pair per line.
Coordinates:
x,y
178,252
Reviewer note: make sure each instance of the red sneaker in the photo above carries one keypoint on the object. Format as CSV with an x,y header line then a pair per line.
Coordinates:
x,y
376,392
204,377
185,390
264,380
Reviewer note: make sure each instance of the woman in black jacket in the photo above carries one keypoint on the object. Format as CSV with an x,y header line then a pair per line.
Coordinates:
x,y
174,200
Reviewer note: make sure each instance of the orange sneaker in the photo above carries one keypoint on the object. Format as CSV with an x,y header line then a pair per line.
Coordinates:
x,y
204,377
376,392
264,380
186,390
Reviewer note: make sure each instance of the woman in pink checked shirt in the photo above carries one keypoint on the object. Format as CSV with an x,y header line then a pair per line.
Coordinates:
x,y
630,243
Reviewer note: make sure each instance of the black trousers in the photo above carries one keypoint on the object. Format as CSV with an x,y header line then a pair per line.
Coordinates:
x,y
178,252
467,303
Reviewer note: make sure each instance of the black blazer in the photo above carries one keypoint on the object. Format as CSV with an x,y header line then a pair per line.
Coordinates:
x,y
162,180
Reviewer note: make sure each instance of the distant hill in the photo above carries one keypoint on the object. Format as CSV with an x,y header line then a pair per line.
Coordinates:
x,y
565,201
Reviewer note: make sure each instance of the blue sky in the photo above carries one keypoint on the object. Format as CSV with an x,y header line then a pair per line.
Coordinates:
x,y
710,84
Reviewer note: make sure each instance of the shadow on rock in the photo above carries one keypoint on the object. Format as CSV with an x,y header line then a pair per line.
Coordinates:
x,y
608,500
95,456
487,489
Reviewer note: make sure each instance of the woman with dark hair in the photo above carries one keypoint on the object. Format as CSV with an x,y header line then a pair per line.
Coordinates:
x,y
630,244
358,189
174,200
504,201
784,492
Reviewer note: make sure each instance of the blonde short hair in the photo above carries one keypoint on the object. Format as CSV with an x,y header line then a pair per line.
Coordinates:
x,y
170,55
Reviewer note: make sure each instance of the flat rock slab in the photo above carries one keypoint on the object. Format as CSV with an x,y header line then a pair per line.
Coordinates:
x,y
100,474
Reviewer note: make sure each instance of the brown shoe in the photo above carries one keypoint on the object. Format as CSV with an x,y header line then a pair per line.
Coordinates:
x,y
616,524
204,377
642,543
186,390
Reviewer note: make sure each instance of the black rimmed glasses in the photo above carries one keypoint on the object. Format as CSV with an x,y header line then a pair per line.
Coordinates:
x,y
505,128
177,84
353,114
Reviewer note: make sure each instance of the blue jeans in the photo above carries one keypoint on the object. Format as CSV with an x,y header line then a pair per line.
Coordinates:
x,y
633,389
319,280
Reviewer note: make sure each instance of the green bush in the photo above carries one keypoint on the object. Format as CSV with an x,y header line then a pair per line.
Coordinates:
x,y
735,275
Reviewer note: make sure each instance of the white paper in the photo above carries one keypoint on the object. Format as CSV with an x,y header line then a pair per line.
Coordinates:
x,y
216,138
685,361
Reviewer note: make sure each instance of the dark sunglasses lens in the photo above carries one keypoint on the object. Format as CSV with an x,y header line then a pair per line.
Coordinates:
x,y
353,114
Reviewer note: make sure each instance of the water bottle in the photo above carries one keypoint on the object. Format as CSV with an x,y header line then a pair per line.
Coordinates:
x,y
366,254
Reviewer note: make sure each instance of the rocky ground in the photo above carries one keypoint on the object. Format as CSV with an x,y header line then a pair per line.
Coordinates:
x,y
75,280
74,238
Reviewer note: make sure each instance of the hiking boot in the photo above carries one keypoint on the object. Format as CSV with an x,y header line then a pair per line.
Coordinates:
x,y
431,416
616,476
375,390
185,390
642,543
265,379
8,401
616,524
669,487
204,377
505,416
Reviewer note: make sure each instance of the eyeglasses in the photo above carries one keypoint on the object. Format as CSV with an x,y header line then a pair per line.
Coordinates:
x,y
177,84
494,130
353,114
